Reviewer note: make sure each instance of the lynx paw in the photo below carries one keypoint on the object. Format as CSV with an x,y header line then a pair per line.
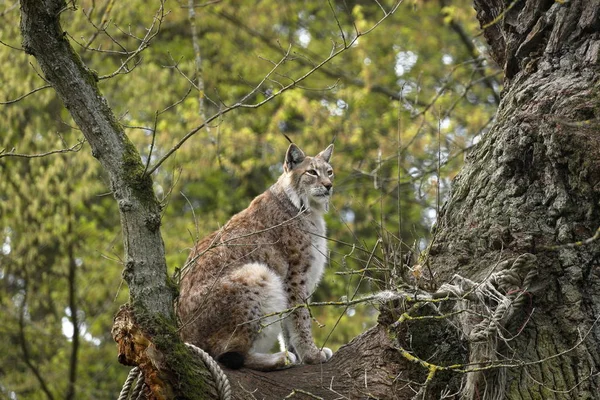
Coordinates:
x,y
320,356
326,354
290,359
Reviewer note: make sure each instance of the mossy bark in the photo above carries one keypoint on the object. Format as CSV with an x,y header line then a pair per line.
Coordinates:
x,y
168,368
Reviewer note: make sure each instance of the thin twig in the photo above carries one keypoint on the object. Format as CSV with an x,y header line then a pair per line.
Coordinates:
x,y
151,33
578,243
294,83
296,391
25,95
152,143
11,46
75,148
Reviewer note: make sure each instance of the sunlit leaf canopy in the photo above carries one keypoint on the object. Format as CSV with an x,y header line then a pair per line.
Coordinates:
x,y
404,103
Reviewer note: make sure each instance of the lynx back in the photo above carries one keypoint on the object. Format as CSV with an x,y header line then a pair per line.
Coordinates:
x,y
268,258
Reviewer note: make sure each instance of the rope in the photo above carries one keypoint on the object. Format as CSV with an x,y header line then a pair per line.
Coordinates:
x,y
507,280
496,298
219,376
134,373
137,390
223,387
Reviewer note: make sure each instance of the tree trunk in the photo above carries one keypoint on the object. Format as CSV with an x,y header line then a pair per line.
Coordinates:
x,y
151,291
532,185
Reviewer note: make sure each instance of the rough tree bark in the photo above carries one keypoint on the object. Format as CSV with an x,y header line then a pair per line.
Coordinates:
x,y
532,183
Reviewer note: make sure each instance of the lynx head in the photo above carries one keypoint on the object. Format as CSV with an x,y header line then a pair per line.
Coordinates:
x,y
306,180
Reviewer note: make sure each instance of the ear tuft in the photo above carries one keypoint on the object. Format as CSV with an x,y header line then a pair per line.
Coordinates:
x,y
293,157
326,154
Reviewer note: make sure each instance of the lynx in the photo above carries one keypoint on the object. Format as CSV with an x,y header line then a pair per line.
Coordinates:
x,y
266,259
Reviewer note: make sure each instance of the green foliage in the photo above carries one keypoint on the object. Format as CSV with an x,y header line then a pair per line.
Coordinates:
x,y
404,96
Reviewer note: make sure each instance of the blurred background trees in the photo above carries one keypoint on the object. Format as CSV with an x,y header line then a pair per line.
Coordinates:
x,y
404,105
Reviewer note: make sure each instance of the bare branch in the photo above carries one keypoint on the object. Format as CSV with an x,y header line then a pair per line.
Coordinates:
x,y
25,95
25,349
293,84
11,46
490,81
197,61
74,318
208,3
305,60
151,144
294,392
151,33
103,22
75,148
578,243
342,34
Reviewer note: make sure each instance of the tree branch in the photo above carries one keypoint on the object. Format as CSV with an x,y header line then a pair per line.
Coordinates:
x,y
293,84
489,81
331,72
25,95
197,61
364,368
75,148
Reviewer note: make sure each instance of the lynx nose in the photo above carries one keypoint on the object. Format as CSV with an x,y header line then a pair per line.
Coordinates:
x,y
327,186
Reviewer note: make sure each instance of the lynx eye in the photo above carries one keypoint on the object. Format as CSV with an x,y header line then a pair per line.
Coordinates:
x,y
330,172
312,172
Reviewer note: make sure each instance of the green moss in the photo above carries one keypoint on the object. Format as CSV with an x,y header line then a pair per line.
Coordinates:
x,y
94,75
173,286
135,176
391,334
183,366
89,75
134,170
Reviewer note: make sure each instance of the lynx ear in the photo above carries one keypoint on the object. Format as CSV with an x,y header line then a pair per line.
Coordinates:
x,y
293,157
326,154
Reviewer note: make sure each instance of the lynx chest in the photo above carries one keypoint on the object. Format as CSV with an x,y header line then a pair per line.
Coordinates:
x,y
318,250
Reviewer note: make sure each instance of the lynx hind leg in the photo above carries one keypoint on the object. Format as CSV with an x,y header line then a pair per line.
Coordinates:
x,y
266,294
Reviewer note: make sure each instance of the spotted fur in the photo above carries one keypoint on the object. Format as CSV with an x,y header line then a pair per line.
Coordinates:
x,y
266,259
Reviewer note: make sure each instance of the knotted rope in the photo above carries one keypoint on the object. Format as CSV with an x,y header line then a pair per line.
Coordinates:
x,y
223,387
495,299
506,287
484,309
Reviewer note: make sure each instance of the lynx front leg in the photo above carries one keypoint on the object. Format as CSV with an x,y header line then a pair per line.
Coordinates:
x,y
297,331
269,362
